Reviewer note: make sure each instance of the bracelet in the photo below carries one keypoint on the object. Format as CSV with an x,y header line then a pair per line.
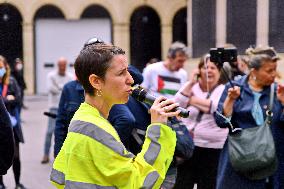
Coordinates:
x,y
184,95
210,106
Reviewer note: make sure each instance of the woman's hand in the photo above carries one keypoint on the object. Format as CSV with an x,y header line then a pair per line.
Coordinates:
x,y
280,93
161,110
234,92
194,76
10,97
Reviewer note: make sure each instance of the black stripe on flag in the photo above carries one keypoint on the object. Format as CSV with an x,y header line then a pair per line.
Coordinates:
x,y
170,79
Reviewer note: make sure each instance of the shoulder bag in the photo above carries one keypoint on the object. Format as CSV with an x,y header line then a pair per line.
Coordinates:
x,y
252,150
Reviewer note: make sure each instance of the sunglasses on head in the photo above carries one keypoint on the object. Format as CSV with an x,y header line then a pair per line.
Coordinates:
x,y
93,40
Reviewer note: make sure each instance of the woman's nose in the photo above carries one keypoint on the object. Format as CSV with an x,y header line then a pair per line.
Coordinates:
x,y
130,79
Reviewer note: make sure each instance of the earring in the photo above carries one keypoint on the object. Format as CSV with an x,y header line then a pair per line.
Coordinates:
x,y
253,77
99,93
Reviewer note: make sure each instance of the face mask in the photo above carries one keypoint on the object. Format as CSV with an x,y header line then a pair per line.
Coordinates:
x,y
19,66
2,72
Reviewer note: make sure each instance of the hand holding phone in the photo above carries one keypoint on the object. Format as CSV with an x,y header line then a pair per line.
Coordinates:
x,y
195,75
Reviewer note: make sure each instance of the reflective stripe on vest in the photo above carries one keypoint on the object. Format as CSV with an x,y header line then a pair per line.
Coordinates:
x,y
150,180
81,185
57,177
100,135
154,148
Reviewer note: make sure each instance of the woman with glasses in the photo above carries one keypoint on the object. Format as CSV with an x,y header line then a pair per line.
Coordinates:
x,y
92,155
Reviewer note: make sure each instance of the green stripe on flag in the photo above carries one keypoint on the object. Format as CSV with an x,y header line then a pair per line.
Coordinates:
x,y
168,91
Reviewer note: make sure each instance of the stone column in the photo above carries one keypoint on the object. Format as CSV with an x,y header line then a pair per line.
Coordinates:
x,y
121,37
189,26
262,22
28,55
166,39
221,22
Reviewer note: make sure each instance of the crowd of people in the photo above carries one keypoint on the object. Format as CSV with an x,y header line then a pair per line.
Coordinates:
x,y
105,138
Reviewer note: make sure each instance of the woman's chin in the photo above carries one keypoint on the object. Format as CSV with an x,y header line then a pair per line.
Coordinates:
x,y
123,101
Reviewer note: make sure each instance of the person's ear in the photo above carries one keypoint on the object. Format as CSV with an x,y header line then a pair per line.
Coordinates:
x,y
252,71
95,81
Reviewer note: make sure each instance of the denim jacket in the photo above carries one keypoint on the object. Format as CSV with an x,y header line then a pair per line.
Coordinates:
x,y
242,117
71,98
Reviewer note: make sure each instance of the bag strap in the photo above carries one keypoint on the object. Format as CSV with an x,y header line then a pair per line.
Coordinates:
x,y
269,112
271,97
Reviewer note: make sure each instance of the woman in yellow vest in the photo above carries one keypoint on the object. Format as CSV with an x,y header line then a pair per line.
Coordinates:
x,y
92,155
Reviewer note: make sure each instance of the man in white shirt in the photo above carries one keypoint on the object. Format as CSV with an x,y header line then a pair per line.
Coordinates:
x,y
55,82
167,77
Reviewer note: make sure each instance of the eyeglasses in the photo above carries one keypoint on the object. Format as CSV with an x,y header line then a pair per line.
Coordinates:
x,y
93,40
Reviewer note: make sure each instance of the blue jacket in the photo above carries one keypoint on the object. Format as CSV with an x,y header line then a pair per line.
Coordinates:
x,y
242,117
126,117
71,98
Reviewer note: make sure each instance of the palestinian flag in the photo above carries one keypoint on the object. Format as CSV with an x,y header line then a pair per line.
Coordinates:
x,y
168,85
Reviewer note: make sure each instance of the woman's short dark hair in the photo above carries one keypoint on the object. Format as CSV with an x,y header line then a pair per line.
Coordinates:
x,y
94,59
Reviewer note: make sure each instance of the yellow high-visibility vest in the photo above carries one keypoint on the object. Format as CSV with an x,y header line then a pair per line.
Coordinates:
x,y
93,156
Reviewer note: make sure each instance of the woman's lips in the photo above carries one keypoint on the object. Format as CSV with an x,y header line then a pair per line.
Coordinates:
x,y
129,91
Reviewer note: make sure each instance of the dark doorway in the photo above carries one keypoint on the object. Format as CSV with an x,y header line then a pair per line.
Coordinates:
x,y
97,11
241,23
11,40
276,24
203,26
48,11
145,36
180,26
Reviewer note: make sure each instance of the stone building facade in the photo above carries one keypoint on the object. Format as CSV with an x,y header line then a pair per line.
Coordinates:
x,y
209,23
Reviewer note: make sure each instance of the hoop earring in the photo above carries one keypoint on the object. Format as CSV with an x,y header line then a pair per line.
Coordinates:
x,y
99,93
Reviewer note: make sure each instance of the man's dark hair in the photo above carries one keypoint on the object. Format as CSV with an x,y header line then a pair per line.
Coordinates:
x,y
94,59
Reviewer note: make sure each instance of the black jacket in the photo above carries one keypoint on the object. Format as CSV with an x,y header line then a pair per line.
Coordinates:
x,y
6,140
13,107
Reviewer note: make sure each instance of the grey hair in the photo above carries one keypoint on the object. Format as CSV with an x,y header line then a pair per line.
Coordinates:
x,y
257,61
177,47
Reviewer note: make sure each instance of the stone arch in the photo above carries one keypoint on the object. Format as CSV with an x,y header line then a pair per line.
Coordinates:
x,y
108,7
11,40
98,11
145,36
180,25
49,11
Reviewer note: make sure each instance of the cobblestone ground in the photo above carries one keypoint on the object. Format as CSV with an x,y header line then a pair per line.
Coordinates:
x,y
34,123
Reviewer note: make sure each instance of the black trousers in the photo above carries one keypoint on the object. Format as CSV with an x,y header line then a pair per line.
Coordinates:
x,y
16,165
201,169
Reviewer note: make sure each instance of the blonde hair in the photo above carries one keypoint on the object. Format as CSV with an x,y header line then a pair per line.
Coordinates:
x,y
6,77
269,51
